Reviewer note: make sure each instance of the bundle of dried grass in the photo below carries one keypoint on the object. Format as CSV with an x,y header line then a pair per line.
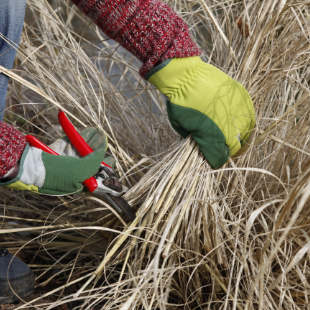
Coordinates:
x,y
234,238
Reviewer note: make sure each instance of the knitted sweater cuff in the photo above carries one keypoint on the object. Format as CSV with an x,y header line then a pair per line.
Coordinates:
x,y
12,144
149,29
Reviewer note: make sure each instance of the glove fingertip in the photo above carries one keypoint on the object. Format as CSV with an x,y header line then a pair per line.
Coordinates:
x,y
235,147
216,154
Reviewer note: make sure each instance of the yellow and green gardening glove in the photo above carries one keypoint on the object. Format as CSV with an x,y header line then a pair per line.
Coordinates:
x,y
207,104
59,175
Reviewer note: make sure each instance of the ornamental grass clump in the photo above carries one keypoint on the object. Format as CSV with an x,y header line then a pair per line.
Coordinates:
x,y
233,238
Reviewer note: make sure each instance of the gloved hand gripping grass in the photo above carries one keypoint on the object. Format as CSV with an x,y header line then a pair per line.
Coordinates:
x,y
207,104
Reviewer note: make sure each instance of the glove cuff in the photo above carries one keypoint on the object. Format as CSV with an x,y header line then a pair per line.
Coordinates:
x,y
25,172
170,74
157,68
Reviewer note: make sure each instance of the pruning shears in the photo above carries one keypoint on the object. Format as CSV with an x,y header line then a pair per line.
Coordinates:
x,y
105,183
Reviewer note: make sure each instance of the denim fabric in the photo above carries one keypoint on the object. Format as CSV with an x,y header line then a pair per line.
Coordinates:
x,y
12,13
17,269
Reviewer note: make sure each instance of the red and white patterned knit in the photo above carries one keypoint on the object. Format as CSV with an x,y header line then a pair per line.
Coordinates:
x,y
149,29
12,144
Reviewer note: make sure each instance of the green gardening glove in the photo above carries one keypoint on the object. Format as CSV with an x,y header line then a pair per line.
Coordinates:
x,y
207,104
59,175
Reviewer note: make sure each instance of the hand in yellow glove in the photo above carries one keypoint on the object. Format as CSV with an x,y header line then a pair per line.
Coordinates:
x,y
207,104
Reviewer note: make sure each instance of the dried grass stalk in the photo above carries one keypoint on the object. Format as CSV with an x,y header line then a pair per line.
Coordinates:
x,y
234,238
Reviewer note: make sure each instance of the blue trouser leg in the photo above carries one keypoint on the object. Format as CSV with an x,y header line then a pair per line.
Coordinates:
x,y
12,13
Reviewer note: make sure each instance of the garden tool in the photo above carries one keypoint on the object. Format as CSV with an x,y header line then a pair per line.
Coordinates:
x,y
104,184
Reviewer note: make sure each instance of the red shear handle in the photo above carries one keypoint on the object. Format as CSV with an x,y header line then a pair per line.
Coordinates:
x,y
90,183
75,138
33,141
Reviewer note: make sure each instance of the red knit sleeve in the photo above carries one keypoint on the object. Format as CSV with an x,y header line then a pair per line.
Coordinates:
x,y
12,144
149,29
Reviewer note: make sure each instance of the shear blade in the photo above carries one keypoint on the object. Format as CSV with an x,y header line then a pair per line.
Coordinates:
x,y
121,206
